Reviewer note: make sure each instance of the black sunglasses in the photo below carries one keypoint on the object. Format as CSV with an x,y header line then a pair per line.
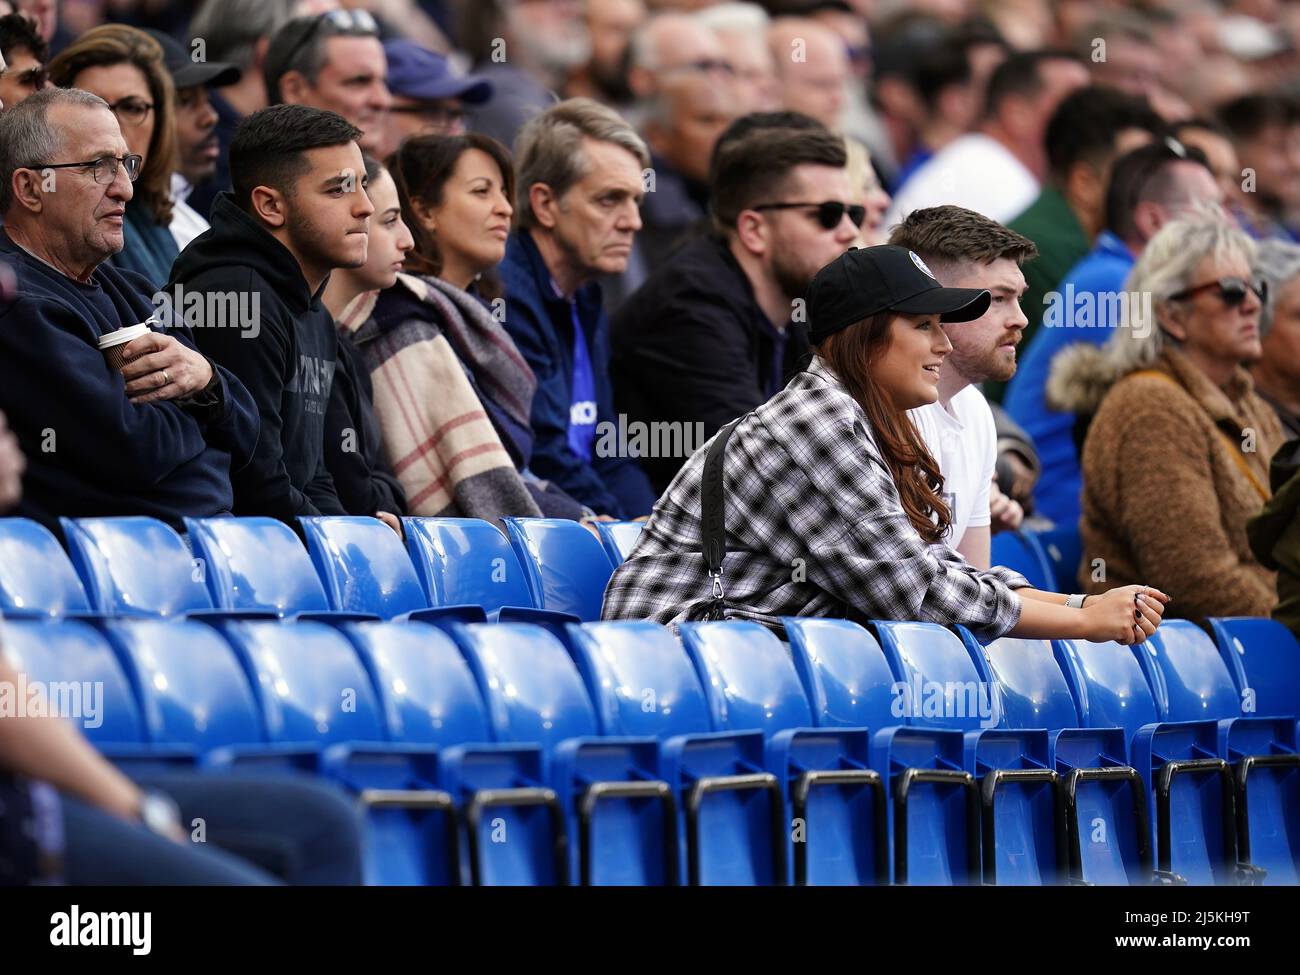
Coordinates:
x,y
1232,291
829,214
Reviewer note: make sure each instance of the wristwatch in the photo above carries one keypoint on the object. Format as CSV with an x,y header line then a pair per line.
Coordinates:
x,y
1075,601
160,814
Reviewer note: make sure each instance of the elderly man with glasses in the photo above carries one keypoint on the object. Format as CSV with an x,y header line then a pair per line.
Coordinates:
x,y
155,430
333,61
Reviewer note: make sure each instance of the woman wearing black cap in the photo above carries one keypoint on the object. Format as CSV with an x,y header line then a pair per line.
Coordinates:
x,y
832,505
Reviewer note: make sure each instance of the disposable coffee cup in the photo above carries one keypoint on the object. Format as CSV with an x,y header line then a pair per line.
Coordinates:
x,y
113,345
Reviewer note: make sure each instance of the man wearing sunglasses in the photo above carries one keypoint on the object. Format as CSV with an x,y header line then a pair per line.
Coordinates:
x,y
333,61
24,52
429,96
158,436
716,329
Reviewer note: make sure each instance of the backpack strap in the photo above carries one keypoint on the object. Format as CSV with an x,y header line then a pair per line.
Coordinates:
x,y
713,504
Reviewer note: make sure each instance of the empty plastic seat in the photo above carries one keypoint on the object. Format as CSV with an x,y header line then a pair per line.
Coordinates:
x,y
135,567
191,688
1190,786
1063,548
82,681
36,578
1264,658
1019,551
621,816
255,564
642,682
1024,837
363,566
836,802
619,538
468,569
566,567
1191,682
1106,818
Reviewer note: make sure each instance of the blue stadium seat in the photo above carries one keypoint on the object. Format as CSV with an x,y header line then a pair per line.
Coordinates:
x,y
313,692
1190,788
135,567
642,682
1191,682
619,538
1104,797
86,684
1063,548
469,570
621,817
1264,658
1024,838
364,566
1020,552
835,800
566,567
255,564
36,578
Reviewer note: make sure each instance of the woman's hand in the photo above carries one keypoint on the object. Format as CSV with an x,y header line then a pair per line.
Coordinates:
x,y
1126,615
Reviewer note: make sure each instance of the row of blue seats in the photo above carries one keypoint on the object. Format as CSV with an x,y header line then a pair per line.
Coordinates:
x,y
613,753
549,570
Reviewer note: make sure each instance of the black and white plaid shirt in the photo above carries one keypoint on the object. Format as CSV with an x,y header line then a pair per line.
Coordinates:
x,y
815,527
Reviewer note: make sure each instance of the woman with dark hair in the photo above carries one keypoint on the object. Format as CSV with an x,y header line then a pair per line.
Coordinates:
x,y
125,67
452,393
833,506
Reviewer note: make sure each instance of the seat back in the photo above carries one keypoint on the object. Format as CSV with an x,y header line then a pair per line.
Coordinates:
x,y
1021,553
1063,548
308,681
1107,684
427,694
83,680
939,686
466,561
531,687
363,566
749,680
567,569
1188,678
1030,688
134,566
619,538
640,679
255,564
1265,659
191,687
36,578
845,675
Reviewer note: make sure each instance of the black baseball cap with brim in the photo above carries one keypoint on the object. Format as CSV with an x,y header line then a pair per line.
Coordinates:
x,y
188,73
866,281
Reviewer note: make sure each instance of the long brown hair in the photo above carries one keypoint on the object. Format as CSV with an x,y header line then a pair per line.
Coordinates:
x,y
851,353
421,167
111,44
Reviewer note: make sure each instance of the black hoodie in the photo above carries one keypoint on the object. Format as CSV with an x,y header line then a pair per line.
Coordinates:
x,y
248,303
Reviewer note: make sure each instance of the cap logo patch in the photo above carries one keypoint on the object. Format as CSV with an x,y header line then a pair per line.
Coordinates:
x,y
921,264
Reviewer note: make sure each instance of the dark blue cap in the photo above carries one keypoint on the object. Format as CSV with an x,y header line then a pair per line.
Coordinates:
x,y
416,72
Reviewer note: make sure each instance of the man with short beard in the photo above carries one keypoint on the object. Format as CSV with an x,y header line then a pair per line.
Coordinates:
x,y
297,211
963,249
713,332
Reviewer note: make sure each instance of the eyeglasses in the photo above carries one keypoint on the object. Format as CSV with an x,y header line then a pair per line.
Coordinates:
x,y
1232,291
132,111
105,168
342,22
829,214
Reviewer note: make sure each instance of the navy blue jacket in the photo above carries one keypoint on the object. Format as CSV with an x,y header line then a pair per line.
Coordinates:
x,y
542,327
90,452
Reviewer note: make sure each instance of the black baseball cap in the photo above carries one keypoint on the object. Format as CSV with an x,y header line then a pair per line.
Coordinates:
x,y
864,281
188,73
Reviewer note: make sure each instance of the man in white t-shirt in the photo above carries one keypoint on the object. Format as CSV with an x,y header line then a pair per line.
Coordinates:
x,y
967,250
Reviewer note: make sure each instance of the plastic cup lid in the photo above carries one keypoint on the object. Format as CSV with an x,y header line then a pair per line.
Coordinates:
x,y
122,335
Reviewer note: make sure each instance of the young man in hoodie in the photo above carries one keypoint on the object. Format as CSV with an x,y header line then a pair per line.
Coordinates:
x,y
159,435
251,288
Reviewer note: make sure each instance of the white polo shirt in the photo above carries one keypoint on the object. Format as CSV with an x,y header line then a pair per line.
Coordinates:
x,y
963,440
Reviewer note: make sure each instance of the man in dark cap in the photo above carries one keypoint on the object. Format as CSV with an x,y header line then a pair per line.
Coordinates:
x,y
429,95
196,130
